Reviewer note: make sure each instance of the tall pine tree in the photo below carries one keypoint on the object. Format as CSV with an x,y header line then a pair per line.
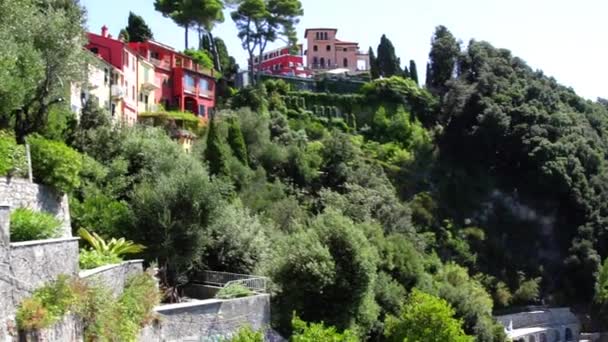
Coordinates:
x,y
138,29
413,71
388,63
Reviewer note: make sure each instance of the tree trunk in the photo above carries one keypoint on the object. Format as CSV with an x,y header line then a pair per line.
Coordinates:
x,y
186,35
216,55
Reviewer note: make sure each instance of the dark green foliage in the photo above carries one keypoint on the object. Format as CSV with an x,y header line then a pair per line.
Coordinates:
x,y
373,64
123,35
29,225
137,29
216,152
413,71
331,277
246,334
387,62
92,115
445,51
55,164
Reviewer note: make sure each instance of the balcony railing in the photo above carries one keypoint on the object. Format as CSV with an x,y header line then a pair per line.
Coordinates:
x,y
164,64
223,279
117,92
205,93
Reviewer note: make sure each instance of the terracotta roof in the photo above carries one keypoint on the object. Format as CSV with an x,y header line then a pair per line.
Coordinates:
x,y
319,29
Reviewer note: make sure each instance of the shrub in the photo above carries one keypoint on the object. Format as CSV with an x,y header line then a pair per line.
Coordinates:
x,y
89,259
246,334
305,332
12,156
48,304
104,253
105,318
234,291
27,225
55,164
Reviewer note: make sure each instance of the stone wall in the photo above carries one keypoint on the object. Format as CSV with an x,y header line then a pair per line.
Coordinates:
x,y
69,329
208,320
5,276
113,277
18,192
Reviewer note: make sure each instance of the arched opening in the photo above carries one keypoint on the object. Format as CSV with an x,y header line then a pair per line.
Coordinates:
x,y
345,62
322,62
315,62
569,336
557,336
543,337
532,339
315,48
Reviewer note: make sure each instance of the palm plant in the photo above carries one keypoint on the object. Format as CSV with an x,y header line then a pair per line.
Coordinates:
x,y
104,252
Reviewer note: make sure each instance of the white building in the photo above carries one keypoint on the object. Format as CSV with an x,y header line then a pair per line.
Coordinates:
x,y
541,325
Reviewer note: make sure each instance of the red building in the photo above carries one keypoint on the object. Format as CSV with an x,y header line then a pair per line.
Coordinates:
x,y
184,85
283,62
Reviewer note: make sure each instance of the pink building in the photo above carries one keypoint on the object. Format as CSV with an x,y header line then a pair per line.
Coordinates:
x,y
326,52
124,85
283,62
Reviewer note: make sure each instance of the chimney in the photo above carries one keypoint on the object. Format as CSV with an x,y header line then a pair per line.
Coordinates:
x,y
104,31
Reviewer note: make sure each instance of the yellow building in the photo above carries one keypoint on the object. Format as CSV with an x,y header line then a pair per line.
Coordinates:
x,y
146,86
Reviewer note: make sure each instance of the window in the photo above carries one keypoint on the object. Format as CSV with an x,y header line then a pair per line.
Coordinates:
x,y
178,62
133,63
154,55
345,62
324,35
328,48
106,75
202,111
329,63
125,57
95,50
569,336
189,83
322,62
315,62
203,85
344,49
133,93
315,48
318,35
141,97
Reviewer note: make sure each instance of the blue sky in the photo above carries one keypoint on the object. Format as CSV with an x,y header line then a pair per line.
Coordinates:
x,y
566,39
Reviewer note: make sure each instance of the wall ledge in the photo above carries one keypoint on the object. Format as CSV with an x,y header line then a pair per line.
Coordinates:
x,y
42,242
200,303
89,273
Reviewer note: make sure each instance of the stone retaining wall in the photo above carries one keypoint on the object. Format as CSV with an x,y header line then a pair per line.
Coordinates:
x,y
113,277
18,192
208,320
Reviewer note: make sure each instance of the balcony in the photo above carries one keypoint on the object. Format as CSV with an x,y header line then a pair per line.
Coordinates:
x,y
163,64
117,92
149,85
206,93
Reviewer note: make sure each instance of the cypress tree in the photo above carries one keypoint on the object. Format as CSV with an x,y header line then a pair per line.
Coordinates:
x,y
373,64
445,50
388,63
237,141
413,71
138,29
215,154
123,35
406,72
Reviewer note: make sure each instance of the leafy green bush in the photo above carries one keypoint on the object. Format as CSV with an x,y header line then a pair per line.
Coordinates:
x,y
313,332
27,225
55,164
200,57
89,259
104,253
234,291
12,156
246,334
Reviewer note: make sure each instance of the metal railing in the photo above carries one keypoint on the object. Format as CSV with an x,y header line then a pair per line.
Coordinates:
x,y
223,279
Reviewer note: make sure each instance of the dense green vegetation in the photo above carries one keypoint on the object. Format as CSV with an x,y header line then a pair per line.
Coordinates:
x,y
484,189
